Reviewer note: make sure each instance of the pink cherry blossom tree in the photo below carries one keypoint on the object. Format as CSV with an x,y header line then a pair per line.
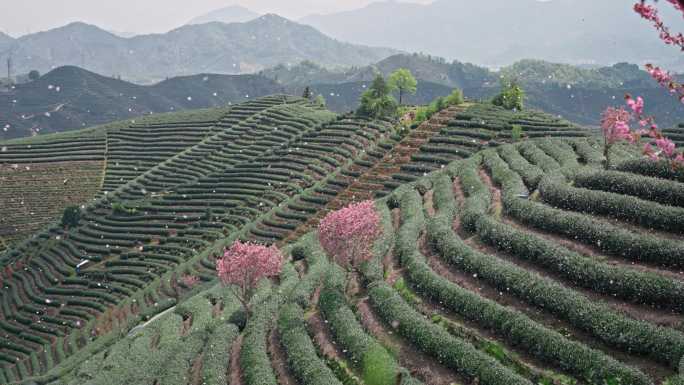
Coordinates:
x,y
347,235
243,265
615,127
615,123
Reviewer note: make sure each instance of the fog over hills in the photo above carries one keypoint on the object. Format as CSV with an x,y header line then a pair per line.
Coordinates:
x,y
213,47
500,32
232,14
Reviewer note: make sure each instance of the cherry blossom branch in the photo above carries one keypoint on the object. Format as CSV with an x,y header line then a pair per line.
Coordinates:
x,y
650,13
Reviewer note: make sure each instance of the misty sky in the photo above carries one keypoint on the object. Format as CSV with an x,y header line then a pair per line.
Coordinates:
x,y
19,17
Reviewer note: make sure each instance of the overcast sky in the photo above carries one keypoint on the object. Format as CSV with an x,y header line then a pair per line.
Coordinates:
x,y
19,17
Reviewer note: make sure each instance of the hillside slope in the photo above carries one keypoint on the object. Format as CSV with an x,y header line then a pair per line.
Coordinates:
x,y
70,97
518,263
575,93
265,170
235,48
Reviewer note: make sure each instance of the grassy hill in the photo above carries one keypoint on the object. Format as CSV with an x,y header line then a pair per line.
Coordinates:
x,y
265,170
70,97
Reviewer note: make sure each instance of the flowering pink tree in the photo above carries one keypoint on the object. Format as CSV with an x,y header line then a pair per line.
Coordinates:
x,y
243,265
347,235
615,123
615,126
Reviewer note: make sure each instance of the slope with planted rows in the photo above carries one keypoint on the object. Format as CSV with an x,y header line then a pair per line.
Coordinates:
x,y
267,170
525,264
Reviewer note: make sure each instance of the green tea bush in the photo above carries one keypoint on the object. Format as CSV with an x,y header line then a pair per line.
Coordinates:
x,y
653,189
302,356
555,190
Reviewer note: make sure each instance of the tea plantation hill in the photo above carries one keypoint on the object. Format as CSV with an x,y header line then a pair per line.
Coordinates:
x,y
71,98
472,282
44,174
265,170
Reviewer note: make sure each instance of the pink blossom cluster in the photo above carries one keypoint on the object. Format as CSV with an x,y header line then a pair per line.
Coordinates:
x,y
347,235
666,80
245,264
650,13
678,4
615,126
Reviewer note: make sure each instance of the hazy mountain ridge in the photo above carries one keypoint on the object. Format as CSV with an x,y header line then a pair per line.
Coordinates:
x,y
435,70
231,14
500,32
85,98
213,47
467,75
70,97
5,41
577,94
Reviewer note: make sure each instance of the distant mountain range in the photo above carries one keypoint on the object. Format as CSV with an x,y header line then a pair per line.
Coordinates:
x,y
577,94
70,97
235,48
500,32
232,14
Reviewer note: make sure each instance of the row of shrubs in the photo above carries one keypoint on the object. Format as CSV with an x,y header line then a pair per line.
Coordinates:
x,y
652,189
662,344
555,190
518,329
630,284
661,169
302,356
364,351
427,336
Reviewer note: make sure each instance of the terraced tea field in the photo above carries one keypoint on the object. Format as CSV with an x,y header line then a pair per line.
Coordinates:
x,y
499,263
75,167
479,277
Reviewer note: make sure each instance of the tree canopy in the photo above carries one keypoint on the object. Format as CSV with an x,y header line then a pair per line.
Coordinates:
x,y
378,101
512,96
403,80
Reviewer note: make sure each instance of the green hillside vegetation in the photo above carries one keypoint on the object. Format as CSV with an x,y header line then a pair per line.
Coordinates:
x,y
266,170
499,263
574,93
483,296
70,98
44,174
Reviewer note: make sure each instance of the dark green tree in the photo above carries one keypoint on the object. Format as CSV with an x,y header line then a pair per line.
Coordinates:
x,y
512,96
307,93
403,80
34,75
378,101
71,216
